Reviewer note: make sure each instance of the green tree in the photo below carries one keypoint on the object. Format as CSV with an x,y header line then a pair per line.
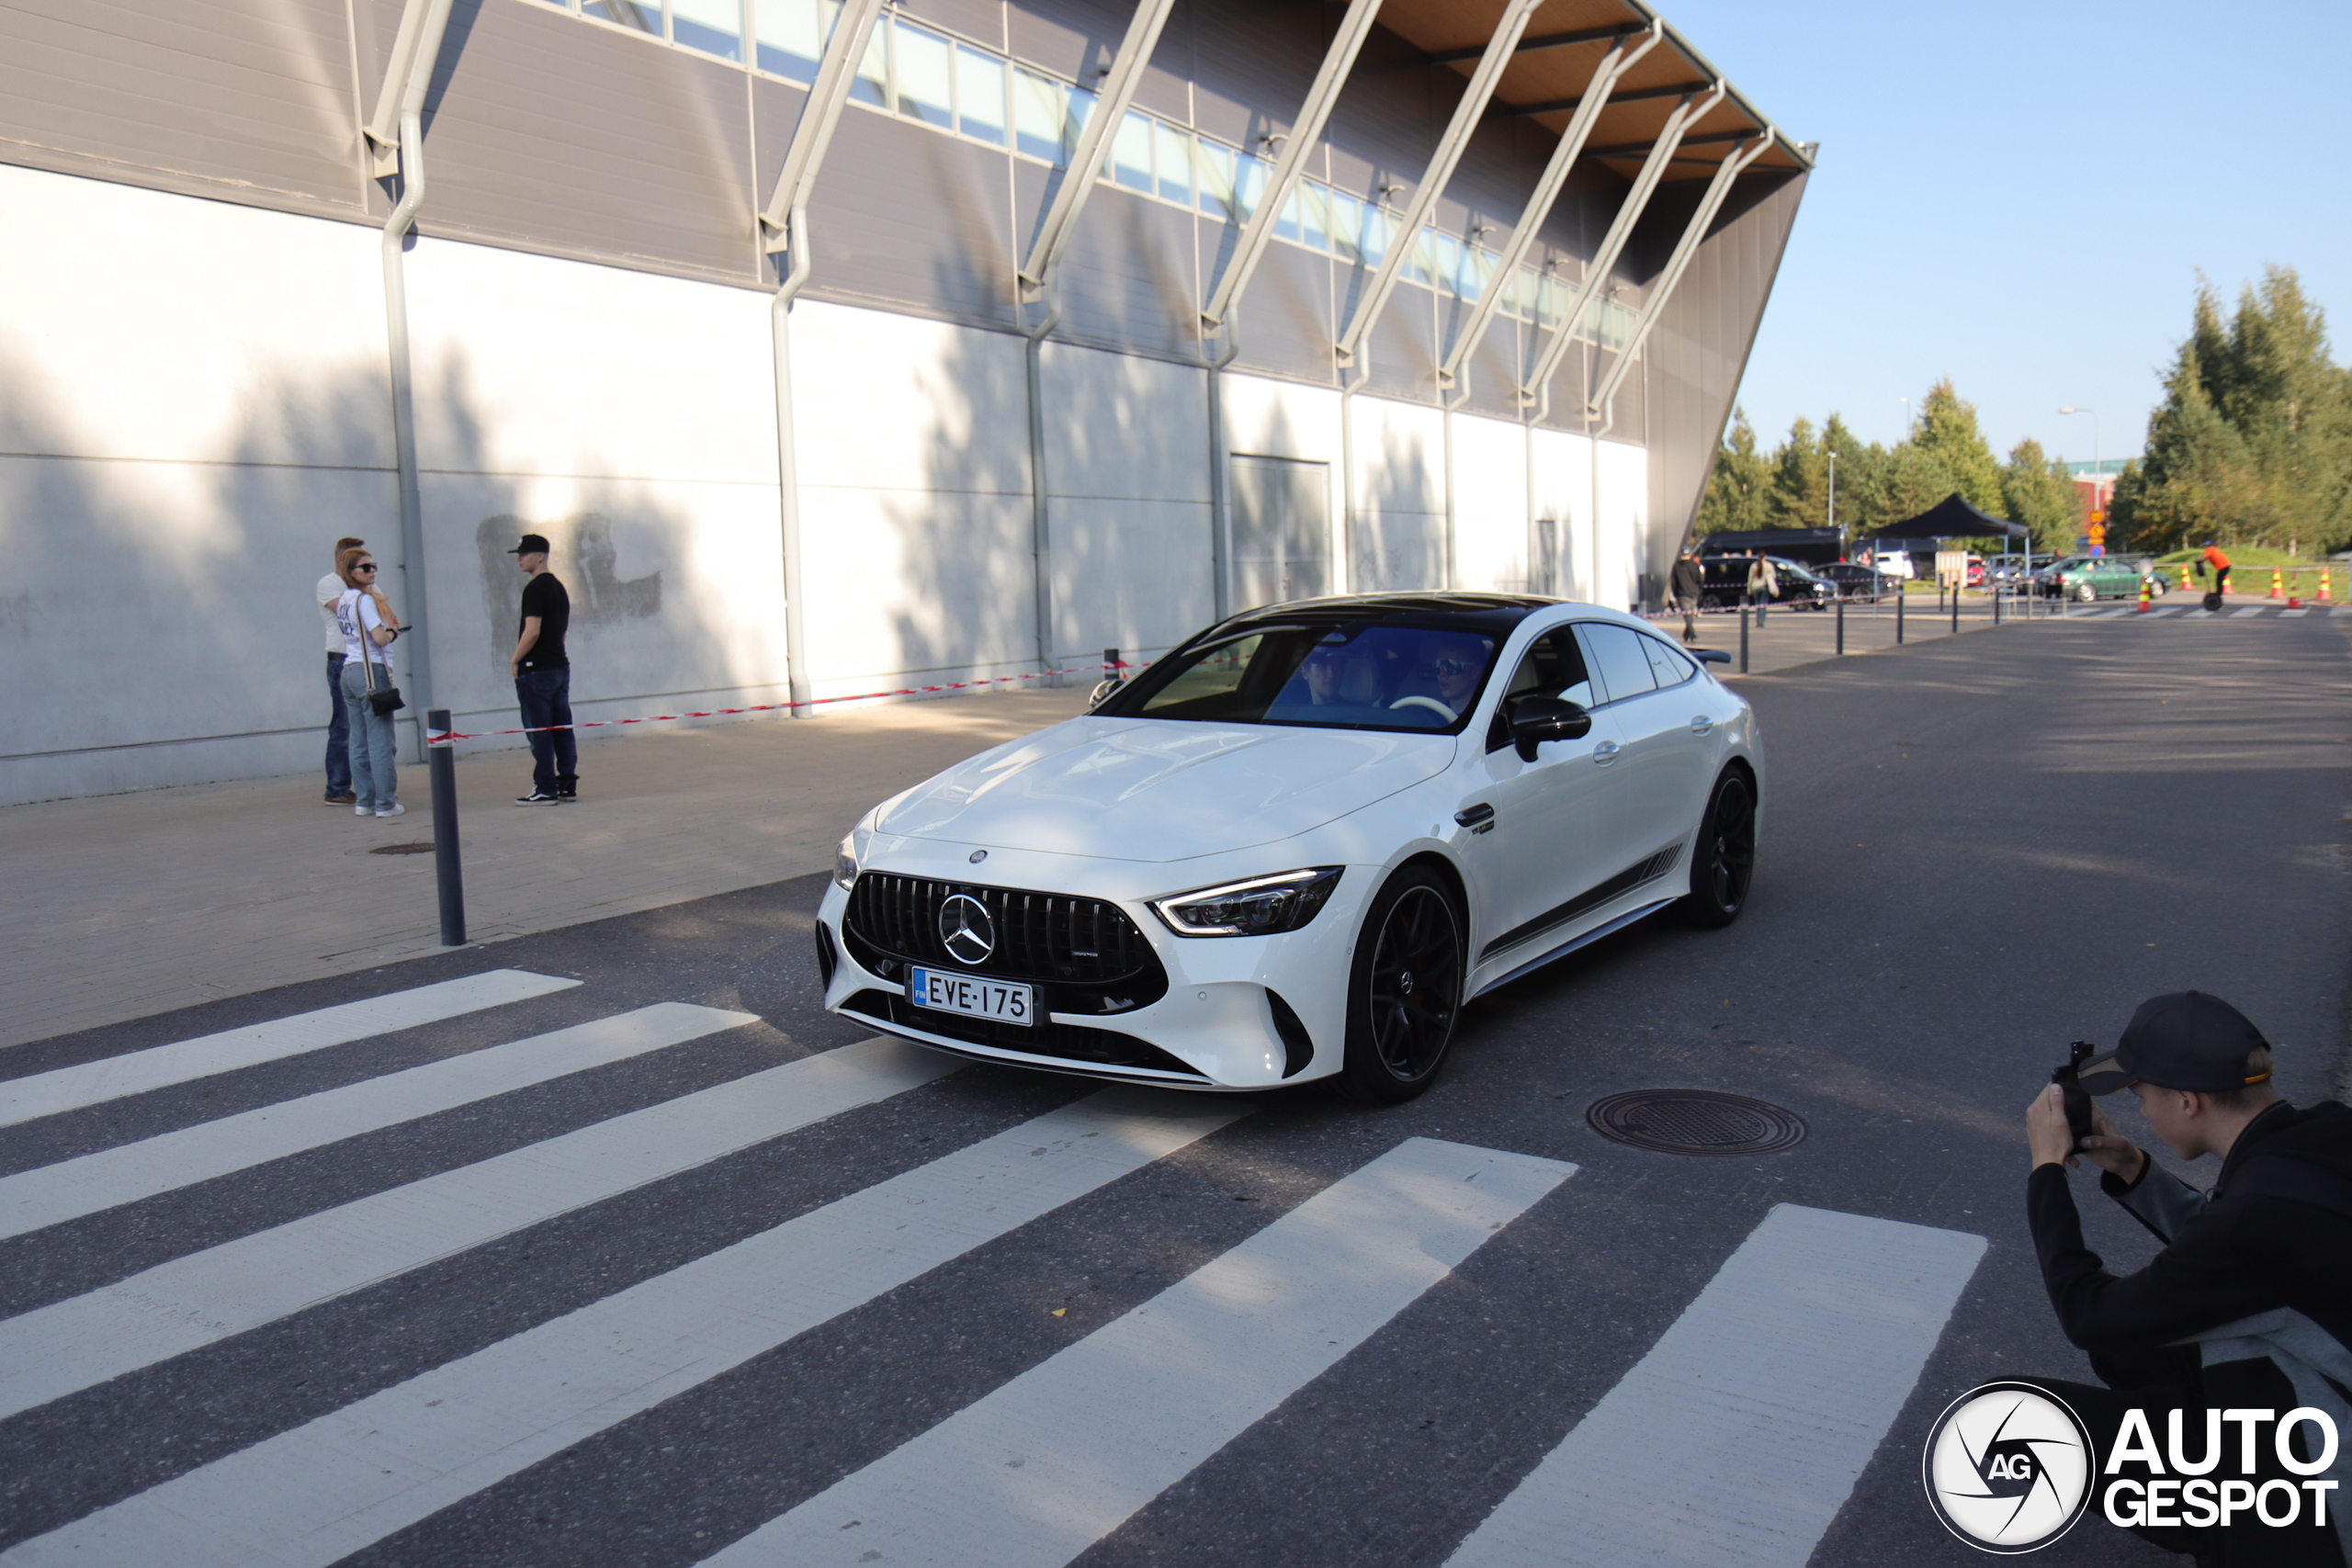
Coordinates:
x,y
2038,492
1861,474
1800,479
1739,491
1948,434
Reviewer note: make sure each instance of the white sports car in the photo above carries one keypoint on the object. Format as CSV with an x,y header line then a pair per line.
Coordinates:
x,y
1296,845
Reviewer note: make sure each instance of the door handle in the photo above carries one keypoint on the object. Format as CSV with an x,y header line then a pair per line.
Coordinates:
x,y
1700,724
1606,752
1478,818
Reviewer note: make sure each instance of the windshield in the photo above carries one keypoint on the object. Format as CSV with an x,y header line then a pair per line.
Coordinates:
x,y
1360,675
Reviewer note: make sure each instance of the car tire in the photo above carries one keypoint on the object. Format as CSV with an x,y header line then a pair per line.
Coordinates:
x,y
1403,989
2087,593
1723,862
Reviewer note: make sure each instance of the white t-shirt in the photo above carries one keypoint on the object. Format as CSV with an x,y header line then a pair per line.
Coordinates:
x,y
330,588
354,613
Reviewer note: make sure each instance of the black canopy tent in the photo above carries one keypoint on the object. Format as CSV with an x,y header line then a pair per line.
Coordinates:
x,y
1953,518
1811,546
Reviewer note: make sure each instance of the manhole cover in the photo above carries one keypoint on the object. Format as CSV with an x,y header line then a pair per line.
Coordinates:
x,y
1695,1122
424,849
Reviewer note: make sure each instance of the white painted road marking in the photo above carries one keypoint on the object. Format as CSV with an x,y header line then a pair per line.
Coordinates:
x,y
132,1171
207,1296
327,1489
135,1072
2249,610
1032,1474
2292,614
2166,610
1736,1440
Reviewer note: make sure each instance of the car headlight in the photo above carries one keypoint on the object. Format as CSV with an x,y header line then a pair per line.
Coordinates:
x,y
845,861
1259,906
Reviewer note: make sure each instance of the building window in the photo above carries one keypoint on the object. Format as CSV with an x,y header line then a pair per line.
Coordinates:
x,y
1173,155
980,95
714,27
1131,153
638,15
791,37
923,68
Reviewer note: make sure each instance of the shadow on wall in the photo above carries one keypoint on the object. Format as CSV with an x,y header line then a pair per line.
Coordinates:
x,y
133,576
580,548
1399,544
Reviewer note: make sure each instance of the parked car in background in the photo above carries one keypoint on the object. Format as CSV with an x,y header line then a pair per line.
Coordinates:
x,y
1801,586
1854,581
2087,578
1976,571
1724,583
2011,571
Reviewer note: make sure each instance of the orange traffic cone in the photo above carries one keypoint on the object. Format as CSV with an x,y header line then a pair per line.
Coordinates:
x,y
2184,576
2278,582
2147,595
2325,572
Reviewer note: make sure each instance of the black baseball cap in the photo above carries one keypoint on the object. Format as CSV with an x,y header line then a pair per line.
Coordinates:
x,y
2186,1040
533,544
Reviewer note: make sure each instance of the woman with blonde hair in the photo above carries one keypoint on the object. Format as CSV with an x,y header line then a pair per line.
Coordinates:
x,y
368,629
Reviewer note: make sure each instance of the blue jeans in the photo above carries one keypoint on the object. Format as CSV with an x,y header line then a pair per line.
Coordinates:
x,y
373,775
338,731
546,699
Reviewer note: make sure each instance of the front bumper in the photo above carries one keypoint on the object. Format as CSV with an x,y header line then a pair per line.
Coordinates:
x,y
1237,1013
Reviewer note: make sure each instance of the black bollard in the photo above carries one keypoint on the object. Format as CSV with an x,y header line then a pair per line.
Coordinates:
x,y
1997,606
1841,625
1743,640
1955,609
1902,595
441,768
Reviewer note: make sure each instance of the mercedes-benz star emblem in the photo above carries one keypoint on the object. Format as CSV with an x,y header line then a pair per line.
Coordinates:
x,y
966,929
976,856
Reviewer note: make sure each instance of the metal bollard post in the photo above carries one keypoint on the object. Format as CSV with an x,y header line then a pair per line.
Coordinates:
x,y
1902,596
441,768
1997,606
1841,626
1955,609
1743,640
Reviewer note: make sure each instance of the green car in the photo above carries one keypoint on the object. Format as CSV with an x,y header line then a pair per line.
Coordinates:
x,y
2088,578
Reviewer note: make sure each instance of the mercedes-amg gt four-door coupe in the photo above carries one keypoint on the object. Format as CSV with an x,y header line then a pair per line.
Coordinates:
x,y
1296,845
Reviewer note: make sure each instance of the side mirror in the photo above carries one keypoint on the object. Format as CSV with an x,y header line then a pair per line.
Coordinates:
x,y
1536,719
1711,656
1102,689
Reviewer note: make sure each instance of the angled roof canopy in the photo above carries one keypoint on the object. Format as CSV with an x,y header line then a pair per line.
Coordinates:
x,y
1556,60
1951,518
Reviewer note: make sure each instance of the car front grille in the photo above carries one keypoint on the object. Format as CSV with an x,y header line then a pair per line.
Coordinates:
x,y
1053,938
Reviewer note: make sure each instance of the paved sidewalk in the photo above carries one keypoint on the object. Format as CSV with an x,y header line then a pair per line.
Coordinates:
x,y
126,905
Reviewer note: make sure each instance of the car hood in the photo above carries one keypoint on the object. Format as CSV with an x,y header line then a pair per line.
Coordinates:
x,y
1161,789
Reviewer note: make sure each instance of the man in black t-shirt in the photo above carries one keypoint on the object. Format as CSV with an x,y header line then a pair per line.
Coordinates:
x,y
543,678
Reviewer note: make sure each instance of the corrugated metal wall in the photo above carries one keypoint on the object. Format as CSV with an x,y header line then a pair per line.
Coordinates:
x,y
551,135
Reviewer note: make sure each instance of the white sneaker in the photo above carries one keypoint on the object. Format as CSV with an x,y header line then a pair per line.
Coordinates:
x,y
394,811
361,811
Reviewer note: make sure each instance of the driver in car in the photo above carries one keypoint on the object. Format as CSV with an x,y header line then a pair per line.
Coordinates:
x,y
1337,675
1459,664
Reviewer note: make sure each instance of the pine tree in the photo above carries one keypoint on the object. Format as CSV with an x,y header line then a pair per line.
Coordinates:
x,y
1949,436
1800,479
1739,491
2038,492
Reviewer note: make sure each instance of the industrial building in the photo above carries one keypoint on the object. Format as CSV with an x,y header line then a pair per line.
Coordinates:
x,y
839,346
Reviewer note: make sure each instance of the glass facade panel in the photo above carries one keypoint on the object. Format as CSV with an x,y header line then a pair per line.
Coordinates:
x,y
1131,153
1286,223
1172,154
639,15
791,35
1444,253
1421,262
1250,185
1038,109
714,27
1378,229
923,66
1346,227
1078,107
1314,216
980,95
1550,301
1216,165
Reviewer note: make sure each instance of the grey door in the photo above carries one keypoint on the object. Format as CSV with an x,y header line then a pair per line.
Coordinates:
x,y
1282,531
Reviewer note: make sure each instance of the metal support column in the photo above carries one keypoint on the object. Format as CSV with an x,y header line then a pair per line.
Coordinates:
x,y
1662,289
784,226
1035,281
395,135
1258,231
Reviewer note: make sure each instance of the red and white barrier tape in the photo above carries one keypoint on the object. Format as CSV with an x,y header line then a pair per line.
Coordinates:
x,y
443,738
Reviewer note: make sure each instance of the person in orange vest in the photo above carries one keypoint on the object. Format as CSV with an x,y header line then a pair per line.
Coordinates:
x,y
2220,564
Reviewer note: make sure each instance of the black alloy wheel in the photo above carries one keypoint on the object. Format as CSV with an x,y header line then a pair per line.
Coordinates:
x,y
1726,856
1404,990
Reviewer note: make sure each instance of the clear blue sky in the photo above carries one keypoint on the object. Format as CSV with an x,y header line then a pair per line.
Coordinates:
x,y
2020,196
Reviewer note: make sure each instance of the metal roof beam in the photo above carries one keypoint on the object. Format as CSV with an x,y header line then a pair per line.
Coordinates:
x,y
1562,105
1549,40
1612,244
1306,131
1711,139
836,75
419,40
1450,148
1663,289
1614,66
1117,91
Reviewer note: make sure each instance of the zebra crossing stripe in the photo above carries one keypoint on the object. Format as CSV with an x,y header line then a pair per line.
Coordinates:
x,y
123,1175
2292,614
2166,610
1033,1474
323,1490
2249,610
207,1296
1737,1438
135,1072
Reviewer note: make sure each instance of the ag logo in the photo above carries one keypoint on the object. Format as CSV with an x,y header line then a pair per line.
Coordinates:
x,y
2008,1468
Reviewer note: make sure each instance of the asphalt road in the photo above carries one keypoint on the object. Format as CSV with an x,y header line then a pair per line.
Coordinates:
x,y
1975,851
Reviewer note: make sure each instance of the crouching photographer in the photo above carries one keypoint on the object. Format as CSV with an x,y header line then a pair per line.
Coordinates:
x,y
2223,1426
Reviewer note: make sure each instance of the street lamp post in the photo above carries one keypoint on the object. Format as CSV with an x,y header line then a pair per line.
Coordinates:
x,y
2098,468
